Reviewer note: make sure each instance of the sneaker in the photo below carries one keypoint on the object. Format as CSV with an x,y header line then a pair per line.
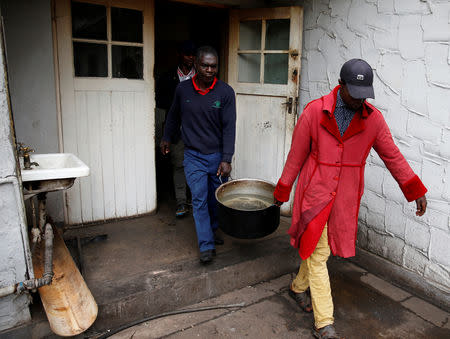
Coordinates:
x,y
207,256
182,210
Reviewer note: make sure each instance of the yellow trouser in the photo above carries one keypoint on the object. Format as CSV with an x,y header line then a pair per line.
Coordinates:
x,y
313,273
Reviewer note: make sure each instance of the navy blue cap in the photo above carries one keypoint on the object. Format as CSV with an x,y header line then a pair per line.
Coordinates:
x,y
358,77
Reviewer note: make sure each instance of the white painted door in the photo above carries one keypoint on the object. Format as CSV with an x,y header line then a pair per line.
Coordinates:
x,y
264,55
105,60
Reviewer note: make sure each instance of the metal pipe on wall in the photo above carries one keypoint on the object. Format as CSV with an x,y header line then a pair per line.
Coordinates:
x,y
47,277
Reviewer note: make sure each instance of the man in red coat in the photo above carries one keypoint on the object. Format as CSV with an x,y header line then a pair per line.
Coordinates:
x,y
331,142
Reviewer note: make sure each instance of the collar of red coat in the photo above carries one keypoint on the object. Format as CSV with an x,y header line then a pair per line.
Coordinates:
x,y
357,124
203,91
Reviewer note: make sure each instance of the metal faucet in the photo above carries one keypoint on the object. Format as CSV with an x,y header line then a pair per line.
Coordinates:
x,y
24,151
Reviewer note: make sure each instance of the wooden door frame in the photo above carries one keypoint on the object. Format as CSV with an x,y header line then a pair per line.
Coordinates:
x,y
292,89
65,82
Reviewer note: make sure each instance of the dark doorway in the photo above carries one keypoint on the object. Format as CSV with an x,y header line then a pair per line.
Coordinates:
x,y
176,22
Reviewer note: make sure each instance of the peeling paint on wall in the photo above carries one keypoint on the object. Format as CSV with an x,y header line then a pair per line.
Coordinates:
x,y
13,265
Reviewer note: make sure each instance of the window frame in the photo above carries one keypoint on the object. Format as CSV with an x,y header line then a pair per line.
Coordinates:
x,y
262,51
109,42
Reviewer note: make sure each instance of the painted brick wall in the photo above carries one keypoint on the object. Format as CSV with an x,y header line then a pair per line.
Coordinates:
x,y
407,44
13,266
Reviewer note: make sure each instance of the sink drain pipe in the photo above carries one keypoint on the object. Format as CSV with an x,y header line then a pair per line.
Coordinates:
x,y
33,284
161,315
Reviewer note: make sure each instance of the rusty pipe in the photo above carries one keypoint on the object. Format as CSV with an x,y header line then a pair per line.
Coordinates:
x,y
48,258
47,277
35,231
42,206
48,262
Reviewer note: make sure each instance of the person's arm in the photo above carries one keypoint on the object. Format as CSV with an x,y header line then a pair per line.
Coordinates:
x,y
228,133
410,184
300,149
172,125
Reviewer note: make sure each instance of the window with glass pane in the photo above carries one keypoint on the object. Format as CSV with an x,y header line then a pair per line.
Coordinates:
x,y
88,21
126,24
250,35
277,34
276,68
90,60
249,66
127,62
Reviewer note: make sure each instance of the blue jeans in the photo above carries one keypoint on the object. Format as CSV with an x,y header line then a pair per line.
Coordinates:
x,y
201,176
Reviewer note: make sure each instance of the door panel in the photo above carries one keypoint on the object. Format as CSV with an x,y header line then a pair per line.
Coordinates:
x,y
257,131
264,55
107,119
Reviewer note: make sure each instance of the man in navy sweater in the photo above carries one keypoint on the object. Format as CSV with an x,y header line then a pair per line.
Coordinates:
x,y
205,108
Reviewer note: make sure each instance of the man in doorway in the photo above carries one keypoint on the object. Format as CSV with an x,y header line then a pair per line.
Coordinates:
x,y
205,108
166,91
331,142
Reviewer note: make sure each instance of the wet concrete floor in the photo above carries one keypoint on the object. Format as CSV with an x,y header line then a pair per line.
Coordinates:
x,y
149,265
360,312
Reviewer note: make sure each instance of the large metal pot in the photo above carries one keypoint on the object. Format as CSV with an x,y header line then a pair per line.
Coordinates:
x,y
246,209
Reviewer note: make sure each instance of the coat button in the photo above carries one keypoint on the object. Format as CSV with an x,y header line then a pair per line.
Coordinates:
x,y
333,193
336,178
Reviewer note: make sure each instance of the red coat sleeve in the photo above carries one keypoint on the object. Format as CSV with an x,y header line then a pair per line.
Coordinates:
x,y
410,184
300,148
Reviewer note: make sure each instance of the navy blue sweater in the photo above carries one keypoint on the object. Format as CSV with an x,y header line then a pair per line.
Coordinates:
x,y
208,122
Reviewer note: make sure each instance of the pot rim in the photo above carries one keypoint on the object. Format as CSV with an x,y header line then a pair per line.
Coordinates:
x,y
240,180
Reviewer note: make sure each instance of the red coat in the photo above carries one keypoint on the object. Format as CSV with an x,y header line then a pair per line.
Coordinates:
x,y
331,167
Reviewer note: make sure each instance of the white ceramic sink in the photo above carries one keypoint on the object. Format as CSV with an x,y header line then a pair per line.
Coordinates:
x,y
54,166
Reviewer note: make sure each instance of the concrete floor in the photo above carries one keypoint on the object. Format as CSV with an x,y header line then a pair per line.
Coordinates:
x,y
146,244
360,312
149,265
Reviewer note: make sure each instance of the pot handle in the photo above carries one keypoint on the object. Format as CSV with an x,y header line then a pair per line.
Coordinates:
x,y
220,179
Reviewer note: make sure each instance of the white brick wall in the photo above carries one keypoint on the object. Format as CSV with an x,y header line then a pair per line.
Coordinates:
x,y
407,44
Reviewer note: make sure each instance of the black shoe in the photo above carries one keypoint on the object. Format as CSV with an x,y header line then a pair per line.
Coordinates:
x,y
303,300
327,332
218,240
207,256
